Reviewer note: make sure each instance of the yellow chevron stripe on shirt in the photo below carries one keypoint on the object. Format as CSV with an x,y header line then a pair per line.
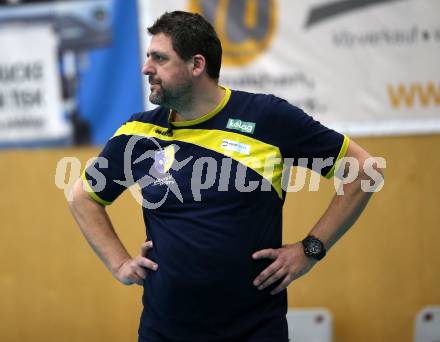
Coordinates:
x,y
265,159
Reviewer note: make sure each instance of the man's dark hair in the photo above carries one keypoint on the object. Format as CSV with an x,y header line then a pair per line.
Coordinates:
x,y
191,34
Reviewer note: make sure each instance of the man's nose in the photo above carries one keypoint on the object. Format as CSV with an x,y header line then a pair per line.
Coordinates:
x,y
147,68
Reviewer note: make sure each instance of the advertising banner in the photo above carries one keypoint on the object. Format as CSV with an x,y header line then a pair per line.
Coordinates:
x,y
361,67
69,71
30,92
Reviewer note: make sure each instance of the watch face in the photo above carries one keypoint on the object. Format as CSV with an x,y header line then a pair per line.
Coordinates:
x,y
315,247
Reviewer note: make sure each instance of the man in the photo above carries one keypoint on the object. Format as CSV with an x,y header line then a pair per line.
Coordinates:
x,y
212,201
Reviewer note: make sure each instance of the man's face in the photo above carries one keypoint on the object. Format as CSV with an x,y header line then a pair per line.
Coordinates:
x,y
169,76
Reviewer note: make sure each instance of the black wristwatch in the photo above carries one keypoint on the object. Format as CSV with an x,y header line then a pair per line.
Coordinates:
x,y
313,247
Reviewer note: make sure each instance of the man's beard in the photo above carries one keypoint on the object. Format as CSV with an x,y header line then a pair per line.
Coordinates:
x,y
174,98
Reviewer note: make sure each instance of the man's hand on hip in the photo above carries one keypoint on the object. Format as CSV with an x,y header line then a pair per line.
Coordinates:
x,y
134,271
289,264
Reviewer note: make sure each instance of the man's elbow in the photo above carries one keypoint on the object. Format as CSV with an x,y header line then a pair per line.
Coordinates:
x,y
372,174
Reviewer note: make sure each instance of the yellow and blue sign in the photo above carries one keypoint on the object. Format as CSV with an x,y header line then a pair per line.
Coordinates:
x,y
245,27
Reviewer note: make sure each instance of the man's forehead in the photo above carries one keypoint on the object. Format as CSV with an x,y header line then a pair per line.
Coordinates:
x,y
160,43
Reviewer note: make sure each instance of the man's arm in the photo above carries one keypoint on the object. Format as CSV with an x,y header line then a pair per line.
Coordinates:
x,y
97,228
290,262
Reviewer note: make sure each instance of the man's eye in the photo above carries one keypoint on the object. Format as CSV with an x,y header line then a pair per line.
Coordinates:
x,y
160,58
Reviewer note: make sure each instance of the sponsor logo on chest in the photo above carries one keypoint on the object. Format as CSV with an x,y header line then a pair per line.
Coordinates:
x,y
242,126
235,146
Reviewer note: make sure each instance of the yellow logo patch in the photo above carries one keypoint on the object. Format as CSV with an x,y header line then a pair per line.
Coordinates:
x,y
164,158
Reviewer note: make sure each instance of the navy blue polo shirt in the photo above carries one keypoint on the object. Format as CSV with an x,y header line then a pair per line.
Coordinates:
x,y
212,195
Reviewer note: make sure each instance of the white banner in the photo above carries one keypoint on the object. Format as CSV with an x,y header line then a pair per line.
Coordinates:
x,y
361,67
30,92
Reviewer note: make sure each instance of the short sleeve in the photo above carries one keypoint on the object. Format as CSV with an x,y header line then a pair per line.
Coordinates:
x,y
105,178
303,138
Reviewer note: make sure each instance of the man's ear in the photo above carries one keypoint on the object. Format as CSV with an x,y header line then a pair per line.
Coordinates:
x,y
198,65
